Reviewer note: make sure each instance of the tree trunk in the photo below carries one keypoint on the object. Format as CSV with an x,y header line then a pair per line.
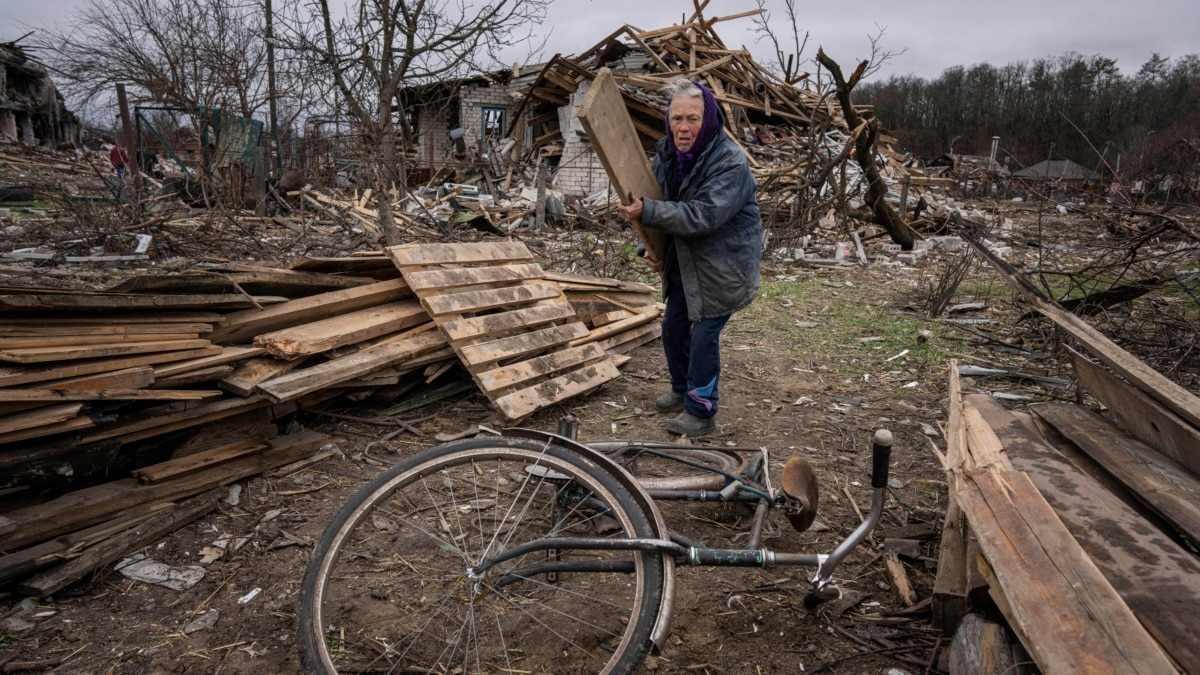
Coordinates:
x,y
384,177
864,153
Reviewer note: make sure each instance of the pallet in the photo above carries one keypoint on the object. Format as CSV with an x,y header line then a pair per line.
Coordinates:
x,y
511,325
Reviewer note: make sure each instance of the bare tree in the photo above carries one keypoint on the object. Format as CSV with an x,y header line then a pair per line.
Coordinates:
x,y
378,47
186,53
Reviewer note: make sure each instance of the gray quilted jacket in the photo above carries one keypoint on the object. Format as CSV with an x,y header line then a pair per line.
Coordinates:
x,y
714,226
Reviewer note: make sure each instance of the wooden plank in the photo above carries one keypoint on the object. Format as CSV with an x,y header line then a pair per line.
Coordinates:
x,y
506,377
78,423
73,340
478,301
617,327
126,378
248,375
209,374
951,594
484,353
1072,618
29,419
15,376
33,302
227,355
345,329
117,546
468,276
299,383
615,141
526,401
114,333
500,322
156,473
1162,484
1147,419
461,254
46,354
244,325
155,425
109,323
28,560
625,342
1157,578
1171,395
106,394
92,505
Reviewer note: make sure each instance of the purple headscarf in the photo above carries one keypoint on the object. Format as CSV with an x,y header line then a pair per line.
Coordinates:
x,y
709,128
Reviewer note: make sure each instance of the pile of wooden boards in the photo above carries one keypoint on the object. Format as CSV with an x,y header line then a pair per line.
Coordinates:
x,y
90,372
97,381
1083,534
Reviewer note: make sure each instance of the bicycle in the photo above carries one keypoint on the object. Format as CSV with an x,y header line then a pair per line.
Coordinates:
x,y
531,550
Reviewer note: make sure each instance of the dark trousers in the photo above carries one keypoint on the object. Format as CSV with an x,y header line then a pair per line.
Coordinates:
x,y
693,354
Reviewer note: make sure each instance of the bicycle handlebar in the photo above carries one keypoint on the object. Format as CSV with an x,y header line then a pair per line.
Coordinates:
x,y
881,456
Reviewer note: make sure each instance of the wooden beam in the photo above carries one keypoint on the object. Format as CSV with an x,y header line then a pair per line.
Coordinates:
x,y
345,329
614,138
1154,384
301,382
15,376
68,353
1147,419
244,325
82,508
1163,595
1162,484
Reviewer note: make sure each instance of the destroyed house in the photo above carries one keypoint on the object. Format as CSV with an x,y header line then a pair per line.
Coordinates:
x,y
535,109
455,121
31,108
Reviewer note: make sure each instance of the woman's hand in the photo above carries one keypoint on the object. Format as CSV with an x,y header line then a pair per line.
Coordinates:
x,y
655,266
631,211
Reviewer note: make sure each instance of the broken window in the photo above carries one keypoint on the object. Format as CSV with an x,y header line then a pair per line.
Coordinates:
x,y
493,125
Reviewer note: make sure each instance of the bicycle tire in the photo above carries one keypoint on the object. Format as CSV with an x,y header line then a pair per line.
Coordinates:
x,y
663,473
386,589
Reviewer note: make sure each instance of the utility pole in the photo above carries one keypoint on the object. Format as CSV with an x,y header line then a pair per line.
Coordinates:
x,y
270,40
127,131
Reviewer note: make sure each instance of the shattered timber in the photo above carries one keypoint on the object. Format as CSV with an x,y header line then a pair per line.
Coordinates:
x,y
205,327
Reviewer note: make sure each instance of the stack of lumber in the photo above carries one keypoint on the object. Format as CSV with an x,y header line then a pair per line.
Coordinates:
x,y
88,373
126,382
1085,533
1064,607
511,326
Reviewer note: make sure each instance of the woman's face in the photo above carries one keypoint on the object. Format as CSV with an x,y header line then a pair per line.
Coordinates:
x,y
687,116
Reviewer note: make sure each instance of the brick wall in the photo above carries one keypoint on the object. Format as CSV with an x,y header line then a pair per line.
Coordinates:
x,y
580,172
434,148
471,101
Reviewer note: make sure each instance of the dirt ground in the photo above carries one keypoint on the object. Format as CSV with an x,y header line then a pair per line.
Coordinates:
x,y
773,395
727,620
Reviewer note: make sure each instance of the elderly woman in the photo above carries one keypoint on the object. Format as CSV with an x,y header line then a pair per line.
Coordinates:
x,y
714,243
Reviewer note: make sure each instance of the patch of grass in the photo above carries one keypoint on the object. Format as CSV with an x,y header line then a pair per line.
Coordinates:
x,y
856,326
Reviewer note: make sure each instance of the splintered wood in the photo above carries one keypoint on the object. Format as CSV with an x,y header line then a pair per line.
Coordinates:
x,y
1060,604
512,328
84,376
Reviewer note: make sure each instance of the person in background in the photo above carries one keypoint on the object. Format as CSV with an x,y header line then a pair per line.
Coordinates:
x,y
119,159
710,266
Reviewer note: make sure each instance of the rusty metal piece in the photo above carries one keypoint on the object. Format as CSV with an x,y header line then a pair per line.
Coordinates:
x,y
799,482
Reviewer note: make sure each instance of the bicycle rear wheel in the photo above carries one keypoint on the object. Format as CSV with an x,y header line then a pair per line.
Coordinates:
x,y
666,466
388,588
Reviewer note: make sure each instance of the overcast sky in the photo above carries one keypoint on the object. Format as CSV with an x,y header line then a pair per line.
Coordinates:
x,y
932,34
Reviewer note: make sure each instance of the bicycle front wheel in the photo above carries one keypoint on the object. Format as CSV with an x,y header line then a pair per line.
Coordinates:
x,y
392,585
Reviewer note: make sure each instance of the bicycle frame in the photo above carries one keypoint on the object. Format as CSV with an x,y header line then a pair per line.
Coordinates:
x,y
823,588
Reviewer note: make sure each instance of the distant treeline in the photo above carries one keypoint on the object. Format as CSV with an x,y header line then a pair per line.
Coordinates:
x,y
1081,105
